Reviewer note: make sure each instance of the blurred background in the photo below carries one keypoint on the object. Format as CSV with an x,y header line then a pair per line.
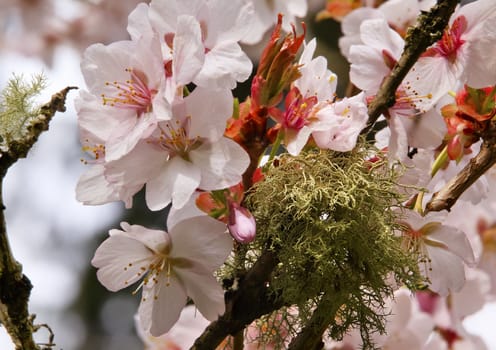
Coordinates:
x,y
51,234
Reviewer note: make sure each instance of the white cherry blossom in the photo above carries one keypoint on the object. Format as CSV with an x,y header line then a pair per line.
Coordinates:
x,y
206,32
442,250
266,12
172,265
184,154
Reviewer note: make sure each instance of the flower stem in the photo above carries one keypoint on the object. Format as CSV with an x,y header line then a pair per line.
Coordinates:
x,y
440,161
275,147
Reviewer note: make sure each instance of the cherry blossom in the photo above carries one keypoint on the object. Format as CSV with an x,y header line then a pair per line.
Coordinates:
x,y
208,32
127,88
174,265
410,126
182,335
185,153
309,94
460,55
442,250
310,109
343,121
407,326
266,12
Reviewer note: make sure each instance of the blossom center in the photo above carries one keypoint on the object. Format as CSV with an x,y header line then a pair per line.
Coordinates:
x,y
174,137
132,94
451,40
299,112
406,103
98,151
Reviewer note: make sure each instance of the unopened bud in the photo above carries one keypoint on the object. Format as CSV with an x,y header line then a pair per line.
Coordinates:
x,y
241,225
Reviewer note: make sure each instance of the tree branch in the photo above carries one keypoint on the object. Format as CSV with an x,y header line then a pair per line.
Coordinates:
x,y
310,337
251,300
483,161
19,148
429,29
15,287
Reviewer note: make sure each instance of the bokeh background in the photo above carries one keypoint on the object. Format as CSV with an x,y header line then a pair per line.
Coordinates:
x,y
51,234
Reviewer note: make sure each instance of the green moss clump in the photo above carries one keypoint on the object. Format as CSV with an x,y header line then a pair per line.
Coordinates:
x,y
329,217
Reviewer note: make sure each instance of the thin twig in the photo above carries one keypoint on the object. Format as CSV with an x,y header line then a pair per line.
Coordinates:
x,y
482,162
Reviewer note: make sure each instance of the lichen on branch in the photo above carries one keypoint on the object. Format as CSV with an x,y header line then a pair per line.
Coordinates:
x,y
21,122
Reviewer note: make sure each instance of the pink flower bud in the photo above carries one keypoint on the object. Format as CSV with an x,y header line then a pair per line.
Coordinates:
x,y
241,225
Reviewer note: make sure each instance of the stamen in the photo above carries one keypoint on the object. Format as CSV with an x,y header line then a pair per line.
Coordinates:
x,y
98,151
134,93
175,138
408,104
299,111
168,273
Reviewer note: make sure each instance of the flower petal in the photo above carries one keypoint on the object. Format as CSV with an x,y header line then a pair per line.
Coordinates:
x,y
205,291
121,261
201,239
222,164
456,241
367,68
177,182
188,54
445,271
224,65
161,304
155,240
93,189
209,110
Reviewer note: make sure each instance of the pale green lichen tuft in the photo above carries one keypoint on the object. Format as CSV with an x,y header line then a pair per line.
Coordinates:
x,y
329,217
17,109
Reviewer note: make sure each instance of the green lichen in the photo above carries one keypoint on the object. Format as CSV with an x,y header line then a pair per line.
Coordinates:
x,y
17,109
329,217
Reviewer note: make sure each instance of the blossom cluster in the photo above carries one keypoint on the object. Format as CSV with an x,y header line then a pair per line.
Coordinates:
x,y
159,114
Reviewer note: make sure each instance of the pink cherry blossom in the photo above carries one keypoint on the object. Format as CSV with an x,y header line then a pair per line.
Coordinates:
x,y
311,110
462,55
342,122
173,265
126,78
371,62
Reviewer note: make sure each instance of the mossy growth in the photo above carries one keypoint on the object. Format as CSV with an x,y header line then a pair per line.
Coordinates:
x,y
329,217
18,112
